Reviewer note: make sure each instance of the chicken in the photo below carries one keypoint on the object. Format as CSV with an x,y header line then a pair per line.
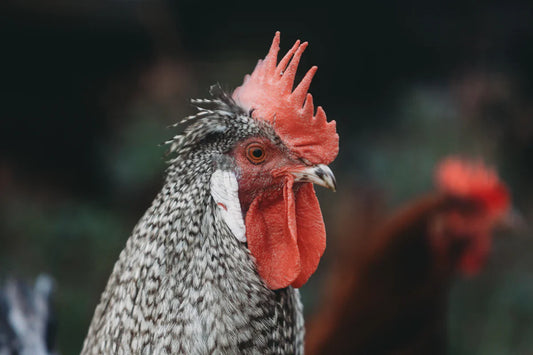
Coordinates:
x,y
214,264
393,298
27,323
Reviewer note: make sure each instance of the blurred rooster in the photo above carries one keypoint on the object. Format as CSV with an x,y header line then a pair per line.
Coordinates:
x,y
214,265
392,299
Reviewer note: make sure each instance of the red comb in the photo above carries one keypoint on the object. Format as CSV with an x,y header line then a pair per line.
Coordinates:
x,y
473,179
268,91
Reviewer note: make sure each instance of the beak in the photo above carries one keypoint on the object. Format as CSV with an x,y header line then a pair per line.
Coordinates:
x,y
317,174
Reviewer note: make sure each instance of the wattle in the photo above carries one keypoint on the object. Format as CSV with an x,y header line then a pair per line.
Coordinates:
x,y
286,234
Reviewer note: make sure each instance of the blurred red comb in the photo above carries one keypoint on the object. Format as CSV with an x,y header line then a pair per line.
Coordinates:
x,y
268,92
473,179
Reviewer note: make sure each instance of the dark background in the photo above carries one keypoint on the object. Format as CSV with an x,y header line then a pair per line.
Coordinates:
x,y
88,88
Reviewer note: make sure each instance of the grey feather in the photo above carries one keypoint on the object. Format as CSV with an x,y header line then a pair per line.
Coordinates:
x,y
26,321
184,283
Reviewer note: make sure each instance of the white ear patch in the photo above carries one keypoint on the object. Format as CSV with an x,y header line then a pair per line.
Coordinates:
x,y
225,192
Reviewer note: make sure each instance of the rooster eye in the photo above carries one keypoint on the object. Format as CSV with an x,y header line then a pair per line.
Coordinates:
x,y
255,153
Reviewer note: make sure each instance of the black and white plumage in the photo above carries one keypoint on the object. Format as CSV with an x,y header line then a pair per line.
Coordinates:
x,y
185,282
211,266
27,325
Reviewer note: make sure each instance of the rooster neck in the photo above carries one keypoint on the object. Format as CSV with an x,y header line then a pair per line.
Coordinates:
x,y
184,283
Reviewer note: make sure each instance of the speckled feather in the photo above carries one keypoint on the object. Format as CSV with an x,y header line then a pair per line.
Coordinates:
x,y
184,283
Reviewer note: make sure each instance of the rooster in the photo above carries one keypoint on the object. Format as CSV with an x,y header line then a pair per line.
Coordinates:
x,y
215,263
392,299
27,322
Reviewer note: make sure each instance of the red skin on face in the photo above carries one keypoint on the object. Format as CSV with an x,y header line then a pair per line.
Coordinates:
x,y
256,178
284,226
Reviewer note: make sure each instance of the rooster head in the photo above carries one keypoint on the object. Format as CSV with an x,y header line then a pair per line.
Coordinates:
x,y
479,200
264,147
284,225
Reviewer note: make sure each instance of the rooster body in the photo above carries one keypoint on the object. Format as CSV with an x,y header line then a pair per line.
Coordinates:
x,y
393,298
213,265
184,283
